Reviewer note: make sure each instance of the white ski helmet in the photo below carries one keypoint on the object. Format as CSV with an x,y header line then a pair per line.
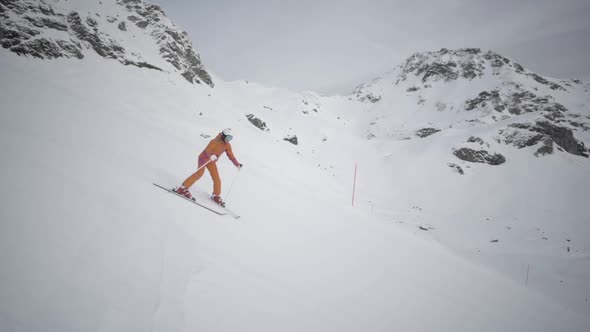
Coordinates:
x,y
226,134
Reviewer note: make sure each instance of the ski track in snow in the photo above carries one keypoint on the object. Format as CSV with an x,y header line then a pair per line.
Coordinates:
x,y
164,240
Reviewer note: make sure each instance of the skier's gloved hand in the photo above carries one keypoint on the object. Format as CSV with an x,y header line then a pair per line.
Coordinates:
x,y
240,166
213,157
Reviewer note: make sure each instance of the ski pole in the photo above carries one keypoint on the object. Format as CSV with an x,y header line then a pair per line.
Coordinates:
x,y
212,158
231,185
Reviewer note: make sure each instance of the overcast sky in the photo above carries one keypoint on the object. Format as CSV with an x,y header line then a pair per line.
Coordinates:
x,y
332,46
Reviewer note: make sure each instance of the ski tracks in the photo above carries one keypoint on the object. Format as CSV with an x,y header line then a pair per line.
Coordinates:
x,y
175,275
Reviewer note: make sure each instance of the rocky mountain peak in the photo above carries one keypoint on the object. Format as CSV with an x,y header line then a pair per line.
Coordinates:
x,y
478,90
50,29
448,65
423,69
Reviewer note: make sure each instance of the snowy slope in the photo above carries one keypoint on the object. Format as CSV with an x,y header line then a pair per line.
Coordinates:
x,y
100,248
87,243
519,209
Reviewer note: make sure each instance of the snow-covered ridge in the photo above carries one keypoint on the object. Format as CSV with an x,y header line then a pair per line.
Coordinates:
x,y
130,31
475,88
464,63
467,63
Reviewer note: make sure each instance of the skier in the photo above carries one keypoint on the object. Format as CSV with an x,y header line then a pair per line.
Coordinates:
x,y
209,156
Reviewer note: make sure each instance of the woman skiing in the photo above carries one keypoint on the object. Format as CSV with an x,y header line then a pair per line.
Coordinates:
x,y
208,159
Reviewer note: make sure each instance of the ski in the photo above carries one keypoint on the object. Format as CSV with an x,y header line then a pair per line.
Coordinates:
x,y
232,213
204,196
192,201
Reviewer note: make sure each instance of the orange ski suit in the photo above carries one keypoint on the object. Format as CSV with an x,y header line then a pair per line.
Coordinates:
x,y
216,147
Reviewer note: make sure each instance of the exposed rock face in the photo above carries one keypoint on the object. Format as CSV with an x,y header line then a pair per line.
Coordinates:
x,y
257,122
545,132
141,65
546,147
515,103
291,139
457,168
452,65
479,156
25,38
366,97
467,63
309,105
562,136
449,65
26,28
89,33
483,99
477,140
363,92
519,138
436,71
424,132
544,81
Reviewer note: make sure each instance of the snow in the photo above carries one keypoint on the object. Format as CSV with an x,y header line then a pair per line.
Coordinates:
x,y
533,207
87,243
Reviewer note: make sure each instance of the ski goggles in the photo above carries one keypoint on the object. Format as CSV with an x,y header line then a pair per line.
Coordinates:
x,y
228,138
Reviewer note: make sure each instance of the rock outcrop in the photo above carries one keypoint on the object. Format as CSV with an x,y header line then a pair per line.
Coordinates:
x,y
257,122
291,139
48,29
479,156
425,132
545,132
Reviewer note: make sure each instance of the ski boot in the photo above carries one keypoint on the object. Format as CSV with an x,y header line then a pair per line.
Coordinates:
x,y
184,192
218,200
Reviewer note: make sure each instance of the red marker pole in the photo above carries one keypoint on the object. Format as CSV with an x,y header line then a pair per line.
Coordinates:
x,y
354,184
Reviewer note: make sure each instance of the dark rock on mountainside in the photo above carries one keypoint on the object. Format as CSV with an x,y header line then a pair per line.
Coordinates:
x,y
516,136
436,71
485,98
425,132
545,148
477,140
257,122
25,27
141,65
457,168
545,132
468,63
368,97
291,139
516,102
544,81
562,136
104,47
479,156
